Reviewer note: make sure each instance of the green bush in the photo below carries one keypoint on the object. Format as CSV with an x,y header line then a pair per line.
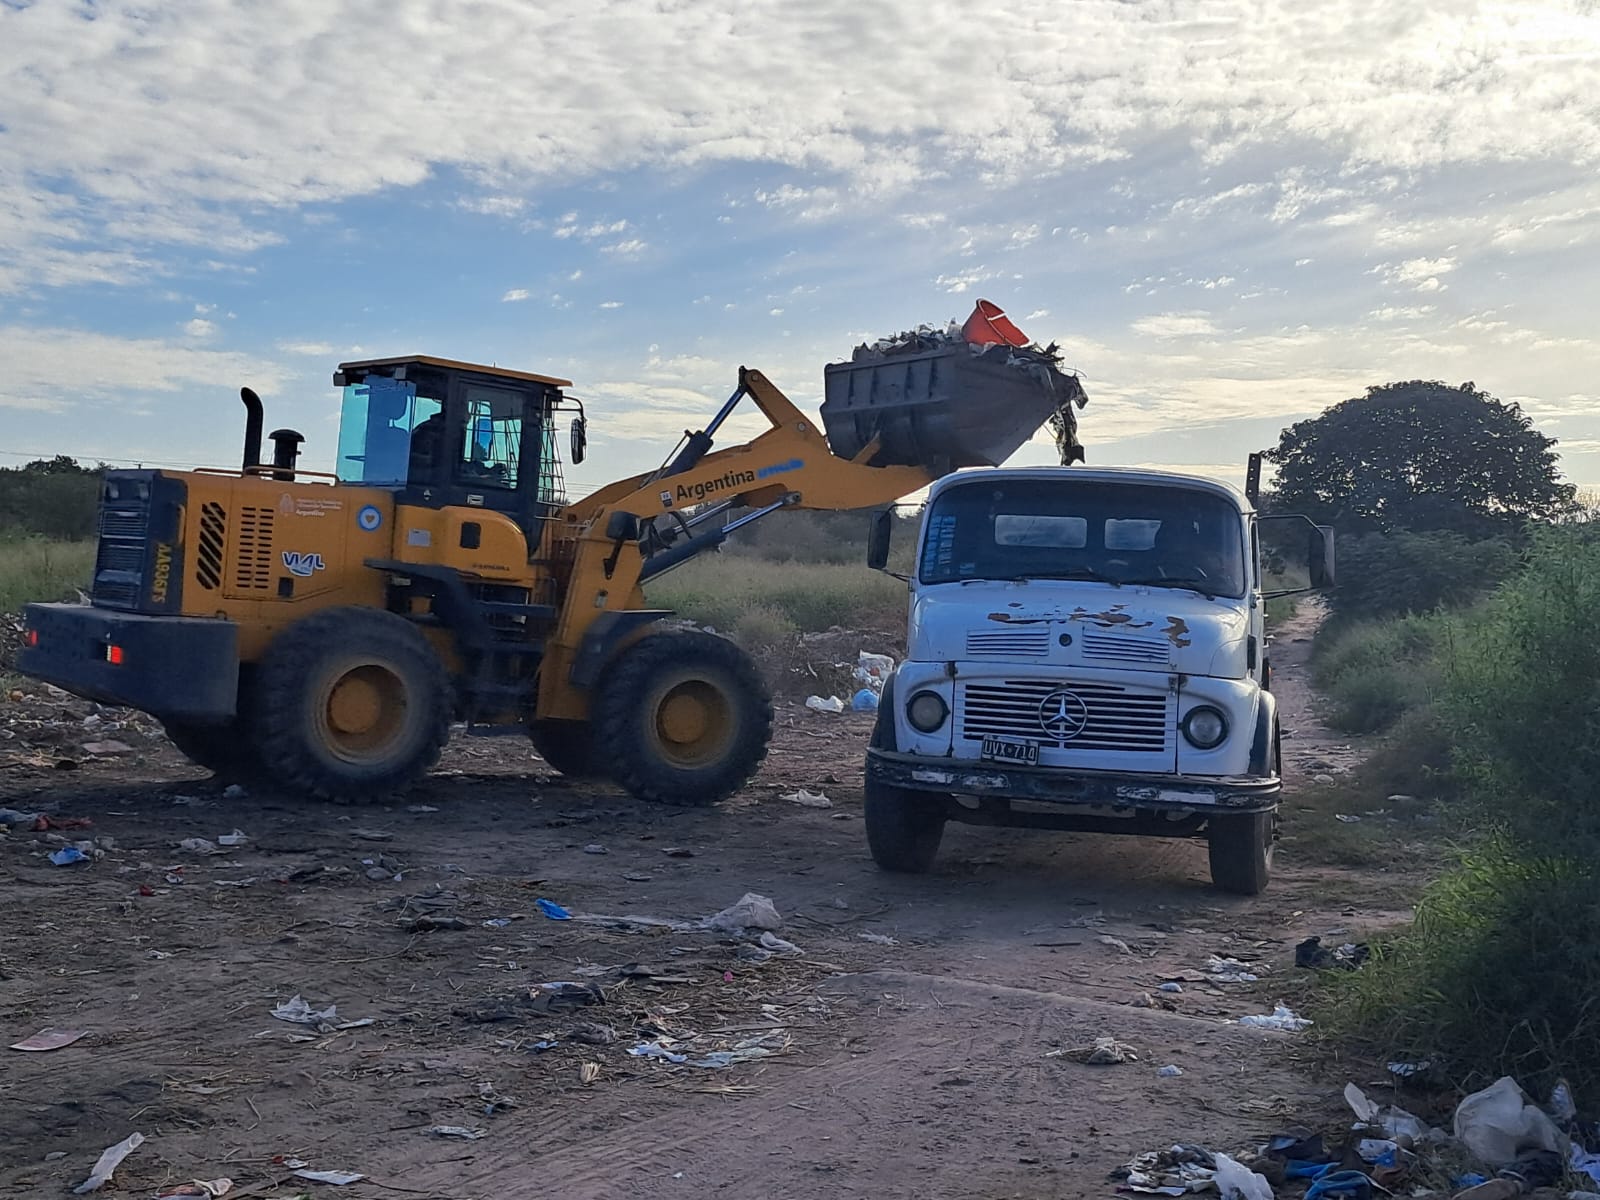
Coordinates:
x,y
1375,672
763,626
33,570
1384,575
718,589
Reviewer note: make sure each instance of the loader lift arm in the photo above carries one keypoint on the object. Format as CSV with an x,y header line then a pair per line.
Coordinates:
x,y
635,529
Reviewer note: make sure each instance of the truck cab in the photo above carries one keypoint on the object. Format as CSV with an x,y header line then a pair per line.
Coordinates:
x,y
1086,651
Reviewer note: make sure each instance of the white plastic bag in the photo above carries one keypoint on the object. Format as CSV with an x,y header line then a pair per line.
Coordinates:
x,y
1237,1182
1499,1122
831,705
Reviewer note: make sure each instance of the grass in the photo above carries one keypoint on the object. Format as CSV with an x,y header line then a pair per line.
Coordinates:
x,y
1374,672
33,570
724,591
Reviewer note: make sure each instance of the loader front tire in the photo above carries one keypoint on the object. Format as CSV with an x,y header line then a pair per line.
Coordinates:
x,y
354,705
682,718
567,746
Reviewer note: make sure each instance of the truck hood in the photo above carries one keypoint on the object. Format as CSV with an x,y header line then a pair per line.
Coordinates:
x,y
1073,623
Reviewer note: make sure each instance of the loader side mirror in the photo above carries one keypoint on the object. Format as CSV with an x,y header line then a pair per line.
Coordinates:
x,y
580,439
1320,554
622,527
878,538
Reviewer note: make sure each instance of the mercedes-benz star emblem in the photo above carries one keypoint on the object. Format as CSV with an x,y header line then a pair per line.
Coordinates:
x,y
1063,714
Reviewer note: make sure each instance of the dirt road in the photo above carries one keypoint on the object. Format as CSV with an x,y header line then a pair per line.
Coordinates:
x,y
903,1054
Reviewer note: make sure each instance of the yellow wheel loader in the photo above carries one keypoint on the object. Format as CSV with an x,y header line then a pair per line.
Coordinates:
x,y
324,631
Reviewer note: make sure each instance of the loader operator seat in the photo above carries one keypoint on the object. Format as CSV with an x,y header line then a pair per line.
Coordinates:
x,y
427,449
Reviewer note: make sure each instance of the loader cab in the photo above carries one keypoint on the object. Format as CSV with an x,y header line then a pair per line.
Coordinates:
x,y
445,434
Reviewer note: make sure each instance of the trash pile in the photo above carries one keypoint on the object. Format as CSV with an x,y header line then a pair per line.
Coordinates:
x,y
1500,1146
871,672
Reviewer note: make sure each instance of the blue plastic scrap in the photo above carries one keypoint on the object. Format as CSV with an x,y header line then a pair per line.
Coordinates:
x,y
1341,1183
68,855
866,700
553,910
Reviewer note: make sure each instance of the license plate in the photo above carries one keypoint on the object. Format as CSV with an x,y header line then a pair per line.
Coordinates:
x,y
1010,750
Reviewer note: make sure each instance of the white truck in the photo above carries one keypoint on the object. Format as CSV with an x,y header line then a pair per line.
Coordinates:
x,y
1086,652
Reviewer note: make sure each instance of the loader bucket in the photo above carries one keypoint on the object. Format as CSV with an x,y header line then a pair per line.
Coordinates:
x,y
943,408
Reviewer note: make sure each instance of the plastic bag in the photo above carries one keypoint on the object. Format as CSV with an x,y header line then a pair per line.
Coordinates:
x,y
831,705
866,700
1498,1122
1236,1180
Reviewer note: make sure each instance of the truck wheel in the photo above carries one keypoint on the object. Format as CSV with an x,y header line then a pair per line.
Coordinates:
x,y
354,705
567,746
904,828
225,750
683,718
1241,852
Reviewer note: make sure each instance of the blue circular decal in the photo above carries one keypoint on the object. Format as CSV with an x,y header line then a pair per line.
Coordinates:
x,y
369,518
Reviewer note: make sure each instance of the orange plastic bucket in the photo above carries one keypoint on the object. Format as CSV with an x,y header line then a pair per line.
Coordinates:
x,y
987,326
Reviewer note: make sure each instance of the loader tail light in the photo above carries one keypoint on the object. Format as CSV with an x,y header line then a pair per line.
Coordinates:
x,y
31,638
114,655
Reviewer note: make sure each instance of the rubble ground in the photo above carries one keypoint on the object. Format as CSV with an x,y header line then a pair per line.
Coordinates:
x,y
906,1050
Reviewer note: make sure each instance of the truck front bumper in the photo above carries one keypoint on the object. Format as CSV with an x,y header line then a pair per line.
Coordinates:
x,y
1084,789
180,667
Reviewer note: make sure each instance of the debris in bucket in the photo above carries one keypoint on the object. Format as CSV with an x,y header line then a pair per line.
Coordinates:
x,y
1281,1017
1102,1052
552,910
1313,955
456,1131
831,705
110,1159
49,1039
750,912
807,799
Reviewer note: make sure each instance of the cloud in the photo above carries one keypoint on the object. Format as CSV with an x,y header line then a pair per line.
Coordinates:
x,y
200,328
611,304
631,248
570,228
1420,273
963,281
1175,325
492,206
309,349
513,295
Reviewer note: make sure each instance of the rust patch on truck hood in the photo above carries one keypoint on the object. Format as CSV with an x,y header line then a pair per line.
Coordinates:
x,y
1177,631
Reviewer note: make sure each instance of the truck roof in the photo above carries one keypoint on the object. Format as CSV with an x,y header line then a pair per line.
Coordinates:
x,y
1093,475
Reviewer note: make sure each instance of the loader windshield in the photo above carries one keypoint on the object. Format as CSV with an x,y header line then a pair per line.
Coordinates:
x,y
379,420
1111,532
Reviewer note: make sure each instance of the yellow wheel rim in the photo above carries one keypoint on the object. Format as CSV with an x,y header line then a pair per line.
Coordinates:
x,y
690,722
363,712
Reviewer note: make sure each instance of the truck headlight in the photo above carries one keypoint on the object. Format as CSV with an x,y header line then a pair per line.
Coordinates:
x,y
927,711
1205,727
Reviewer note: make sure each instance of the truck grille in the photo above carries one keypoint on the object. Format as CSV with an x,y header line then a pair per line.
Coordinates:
x,y
1008,643
1120,648
120,557
1119,718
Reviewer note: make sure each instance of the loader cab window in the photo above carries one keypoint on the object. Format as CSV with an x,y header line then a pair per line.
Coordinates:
x,y
489,442
383,425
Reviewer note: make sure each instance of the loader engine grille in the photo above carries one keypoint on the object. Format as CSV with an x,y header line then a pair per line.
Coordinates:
x,y
253,555
120,557
213,537
1119,718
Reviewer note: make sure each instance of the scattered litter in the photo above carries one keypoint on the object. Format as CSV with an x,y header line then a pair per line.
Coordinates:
x,y
595,848
866,700
592,1034
552,910
110,746
50,1039
1112,943
807,799
1171,1172
564,996
246,882
1169,1072
233,839
678,852
421,808
878,939
541,1047
68,855
658,1051
873,670
588,1072
1390,1121
372,835
1347,818
198,845
831,705
430,924
493,1102
1175,988
774,943
197,1187
637,877
297,1012
1237,1181
234,792
1407,1070
497,922
751,912
1500,1121
765,1046
456,1131
13,816
1102,1052
1313,955
110,1159
337,1178
1282,1017
1229,970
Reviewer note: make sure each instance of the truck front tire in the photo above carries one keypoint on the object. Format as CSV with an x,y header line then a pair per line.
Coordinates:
x,y
904,828
1241,852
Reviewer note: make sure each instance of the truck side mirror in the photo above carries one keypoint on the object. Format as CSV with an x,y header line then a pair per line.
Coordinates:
x,y
878,538
580,439
1320,554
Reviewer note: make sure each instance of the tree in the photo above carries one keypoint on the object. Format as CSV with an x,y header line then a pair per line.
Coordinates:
x,y
1420,456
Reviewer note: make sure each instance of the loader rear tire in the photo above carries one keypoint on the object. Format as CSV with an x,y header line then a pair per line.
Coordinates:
x,y
567,746
227,750
354,705
682,718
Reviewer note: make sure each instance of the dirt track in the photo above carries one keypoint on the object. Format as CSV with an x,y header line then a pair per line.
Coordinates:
x,y
913,1069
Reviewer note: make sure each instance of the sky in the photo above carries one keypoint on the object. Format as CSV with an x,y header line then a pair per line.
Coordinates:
x,y
1229,215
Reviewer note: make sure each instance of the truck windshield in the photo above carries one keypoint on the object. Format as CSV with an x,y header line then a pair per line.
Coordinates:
x,y
1120,533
